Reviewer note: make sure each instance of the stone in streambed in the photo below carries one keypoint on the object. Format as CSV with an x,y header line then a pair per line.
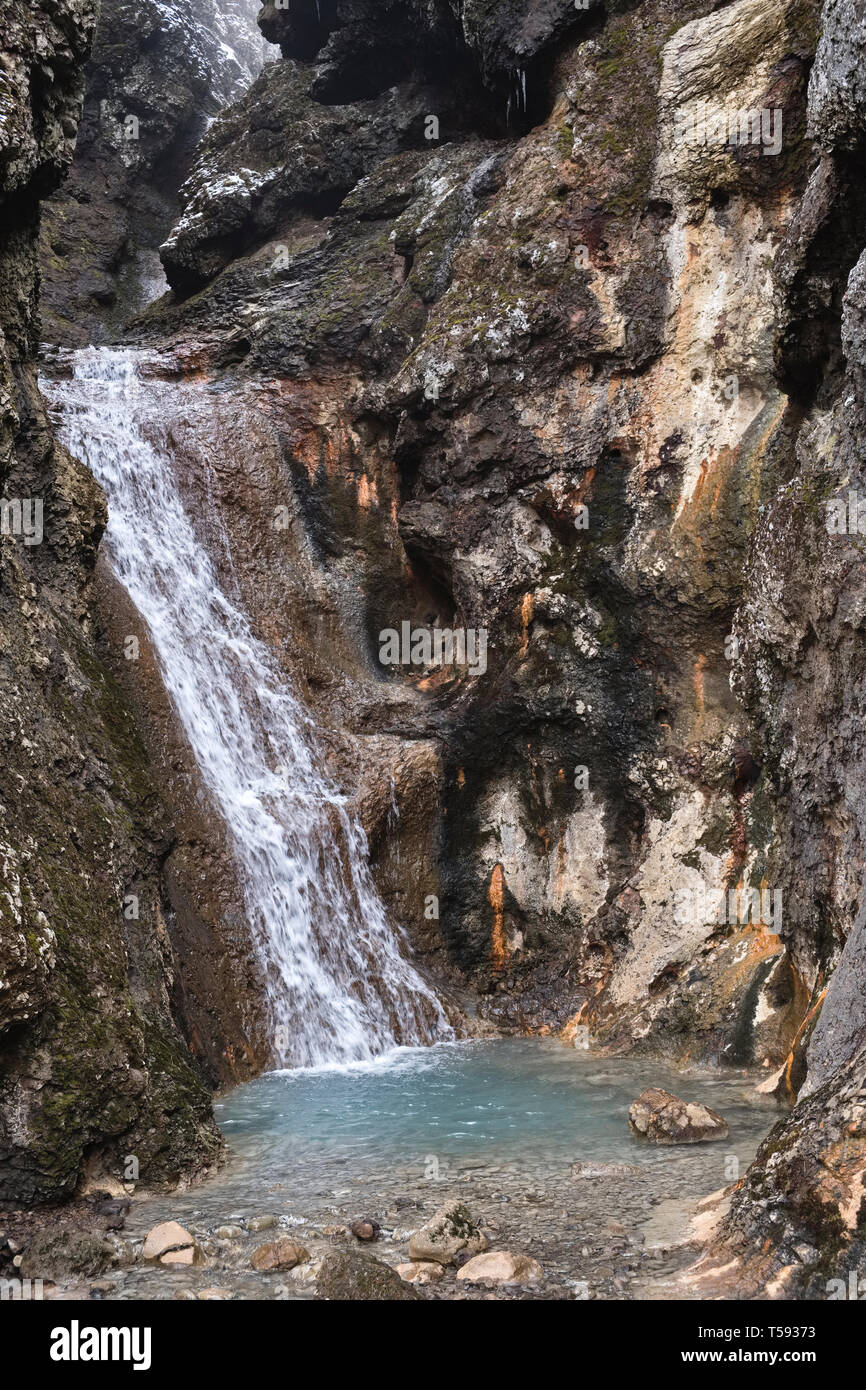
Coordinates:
x,y
665,1119
421,1272
64,1255
365,1230
451,1232
356,1277
501,1267
278,1255
261,1223
170,1244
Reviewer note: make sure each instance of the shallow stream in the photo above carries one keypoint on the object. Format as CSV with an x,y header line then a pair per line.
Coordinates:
x,y
498,1124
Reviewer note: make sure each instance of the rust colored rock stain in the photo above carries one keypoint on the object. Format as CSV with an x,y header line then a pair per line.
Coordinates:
x,y
791,1057
368,492
527,608
496,897
568,1033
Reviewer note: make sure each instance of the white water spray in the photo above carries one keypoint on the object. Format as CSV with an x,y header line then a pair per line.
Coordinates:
x,y
339,987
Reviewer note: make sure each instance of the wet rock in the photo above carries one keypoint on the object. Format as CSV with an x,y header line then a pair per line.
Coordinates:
x,y
665,1119
365,1230
304,1276
501,1267
261,1223
169,64
451,1232
229,1232
169,1244
807,1180
64,1255
215,1295
354,1276
421,1272
278,1255
65,992
112,1210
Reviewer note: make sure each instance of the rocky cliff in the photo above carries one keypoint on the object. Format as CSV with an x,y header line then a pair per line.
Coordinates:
x,y
547,322
95,1071
157,75
512,340
553,360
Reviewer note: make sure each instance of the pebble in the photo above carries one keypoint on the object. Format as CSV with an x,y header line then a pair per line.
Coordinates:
x,y
365,1230
261,1223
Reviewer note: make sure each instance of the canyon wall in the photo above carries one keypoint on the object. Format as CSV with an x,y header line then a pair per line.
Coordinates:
x,y
93,1068
492,334
552,361
158,73
512,341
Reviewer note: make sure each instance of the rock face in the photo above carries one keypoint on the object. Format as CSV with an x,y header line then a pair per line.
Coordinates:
x,y
515,368
522,350
451,1232
798,1220
92,1061
665,1119
159,72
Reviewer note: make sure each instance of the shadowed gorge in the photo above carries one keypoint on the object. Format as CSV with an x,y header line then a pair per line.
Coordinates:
x,y
444,633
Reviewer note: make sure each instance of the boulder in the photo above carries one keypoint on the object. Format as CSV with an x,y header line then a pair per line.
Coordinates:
x,y
665,1119
451,1232
353,1276
278,1255
501,1267
64,1255
169,1244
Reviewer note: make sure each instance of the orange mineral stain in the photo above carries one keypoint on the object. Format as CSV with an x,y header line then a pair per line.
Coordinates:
x,y
496,898
527,607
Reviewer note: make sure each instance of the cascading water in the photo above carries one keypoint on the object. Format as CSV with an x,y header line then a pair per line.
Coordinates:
x,y
339,986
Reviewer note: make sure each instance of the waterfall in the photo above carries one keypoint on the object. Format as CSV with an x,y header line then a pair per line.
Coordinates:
x,y
339,986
